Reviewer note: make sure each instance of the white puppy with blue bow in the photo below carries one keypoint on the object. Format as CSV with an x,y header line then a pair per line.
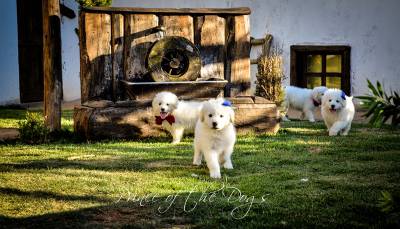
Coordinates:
x,y
338,111
215,136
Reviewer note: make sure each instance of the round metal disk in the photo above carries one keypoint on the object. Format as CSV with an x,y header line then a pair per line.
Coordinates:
x,y
174,59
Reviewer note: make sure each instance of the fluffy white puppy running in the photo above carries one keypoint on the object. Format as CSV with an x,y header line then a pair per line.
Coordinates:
x,y
215,136
303,99
175,115
337,111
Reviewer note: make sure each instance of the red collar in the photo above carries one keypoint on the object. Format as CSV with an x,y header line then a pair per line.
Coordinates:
x,y
170,119
316,103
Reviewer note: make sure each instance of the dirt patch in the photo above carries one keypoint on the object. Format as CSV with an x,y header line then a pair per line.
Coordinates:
x,y
9,134
315,150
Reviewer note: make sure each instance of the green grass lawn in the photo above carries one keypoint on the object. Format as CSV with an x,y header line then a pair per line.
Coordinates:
x,y
297,178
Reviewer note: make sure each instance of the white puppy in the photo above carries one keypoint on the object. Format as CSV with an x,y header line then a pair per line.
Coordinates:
x,y
303,99
175,115
215,136
337,111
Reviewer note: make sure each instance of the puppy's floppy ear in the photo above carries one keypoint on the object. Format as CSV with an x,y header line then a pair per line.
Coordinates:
x,y
201,115
231,116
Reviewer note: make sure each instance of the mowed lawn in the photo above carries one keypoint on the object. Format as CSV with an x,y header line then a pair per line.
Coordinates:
x,y
297,178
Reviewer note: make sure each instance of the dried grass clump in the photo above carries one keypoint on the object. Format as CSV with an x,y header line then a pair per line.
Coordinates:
x,y
270,76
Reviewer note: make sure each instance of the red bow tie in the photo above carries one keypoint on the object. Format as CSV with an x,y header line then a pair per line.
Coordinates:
x,y
316,103
170,119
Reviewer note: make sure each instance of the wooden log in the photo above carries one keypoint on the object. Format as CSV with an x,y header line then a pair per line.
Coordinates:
x,y
210,38
117,43
52,68
96,60
139,37
178,26
191,11
240,56
137,120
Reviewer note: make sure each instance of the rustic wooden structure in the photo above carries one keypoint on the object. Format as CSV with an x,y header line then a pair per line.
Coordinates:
x,y
30,48
115,84
52,63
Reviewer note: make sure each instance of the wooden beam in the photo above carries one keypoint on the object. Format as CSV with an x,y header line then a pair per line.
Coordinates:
x,y
191,11
52,68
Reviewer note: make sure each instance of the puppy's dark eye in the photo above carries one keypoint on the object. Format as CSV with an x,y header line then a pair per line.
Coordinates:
x,y
337,101
221,116
159,104
322,94
330,100
167,104
210,115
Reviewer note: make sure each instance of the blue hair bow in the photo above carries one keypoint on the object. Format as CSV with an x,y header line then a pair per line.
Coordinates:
x,y
227,103
343,95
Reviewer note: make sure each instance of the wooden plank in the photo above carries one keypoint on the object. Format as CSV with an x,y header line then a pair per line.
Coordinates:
x,y
30,50
139,37
117,43
196,11
211,40
178,26
240,56
52,67
96,61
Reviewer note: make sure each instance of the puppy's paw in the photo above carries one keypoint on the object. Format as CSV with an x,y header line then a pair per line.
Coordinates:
x,y
311,120
332,133
215,175
228,165
197,162
174,142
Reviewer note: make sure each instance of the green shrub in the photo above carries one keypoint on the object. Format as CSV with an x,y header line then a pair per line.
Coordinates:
x,y
381,107
90,3
32,130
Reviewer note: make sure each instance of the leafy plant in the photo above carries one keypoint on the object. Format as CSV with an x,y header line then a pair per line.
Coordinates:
x,y
90,3
381,106
386,202
33,130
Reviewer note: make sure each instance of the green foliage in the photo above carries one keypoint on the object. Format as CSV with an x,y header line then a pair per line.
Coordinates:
x,y
90,3
381,106
387,202
32,130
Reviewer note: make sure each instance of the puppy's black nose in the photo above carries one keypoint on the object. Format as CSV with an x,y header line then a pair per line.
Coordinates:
x,y
162,109
333,106
214,124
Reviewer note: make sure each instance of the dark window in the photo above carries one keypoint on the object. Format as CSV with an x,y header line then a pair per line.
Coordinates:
x,y
313,66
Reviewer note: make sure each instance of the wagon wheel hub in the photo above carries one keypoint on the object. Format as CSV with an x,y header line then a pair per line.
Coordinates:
x,y
175,62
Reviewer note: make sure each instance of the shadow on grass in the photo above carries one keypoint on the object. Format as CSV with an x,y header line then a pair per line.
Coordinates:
x,y
114,165
55,196
180,210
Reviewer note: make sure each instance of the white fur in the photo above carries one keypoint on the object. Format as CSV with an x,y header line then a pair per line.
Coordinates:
x,y
186,113
302,99
214,142
338,113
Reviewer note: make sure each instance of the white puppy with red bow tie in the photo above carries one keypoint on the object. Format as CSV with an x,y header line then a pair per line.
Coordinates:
x,y
175,115
303,99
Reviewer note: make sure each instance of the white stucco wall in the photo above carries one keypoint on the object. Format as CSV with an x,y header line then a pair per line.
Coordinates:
x,y
370,27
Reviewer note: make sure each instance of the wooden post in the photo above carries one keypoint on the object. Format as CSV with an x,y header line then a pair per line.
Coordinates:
x,y
52,67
